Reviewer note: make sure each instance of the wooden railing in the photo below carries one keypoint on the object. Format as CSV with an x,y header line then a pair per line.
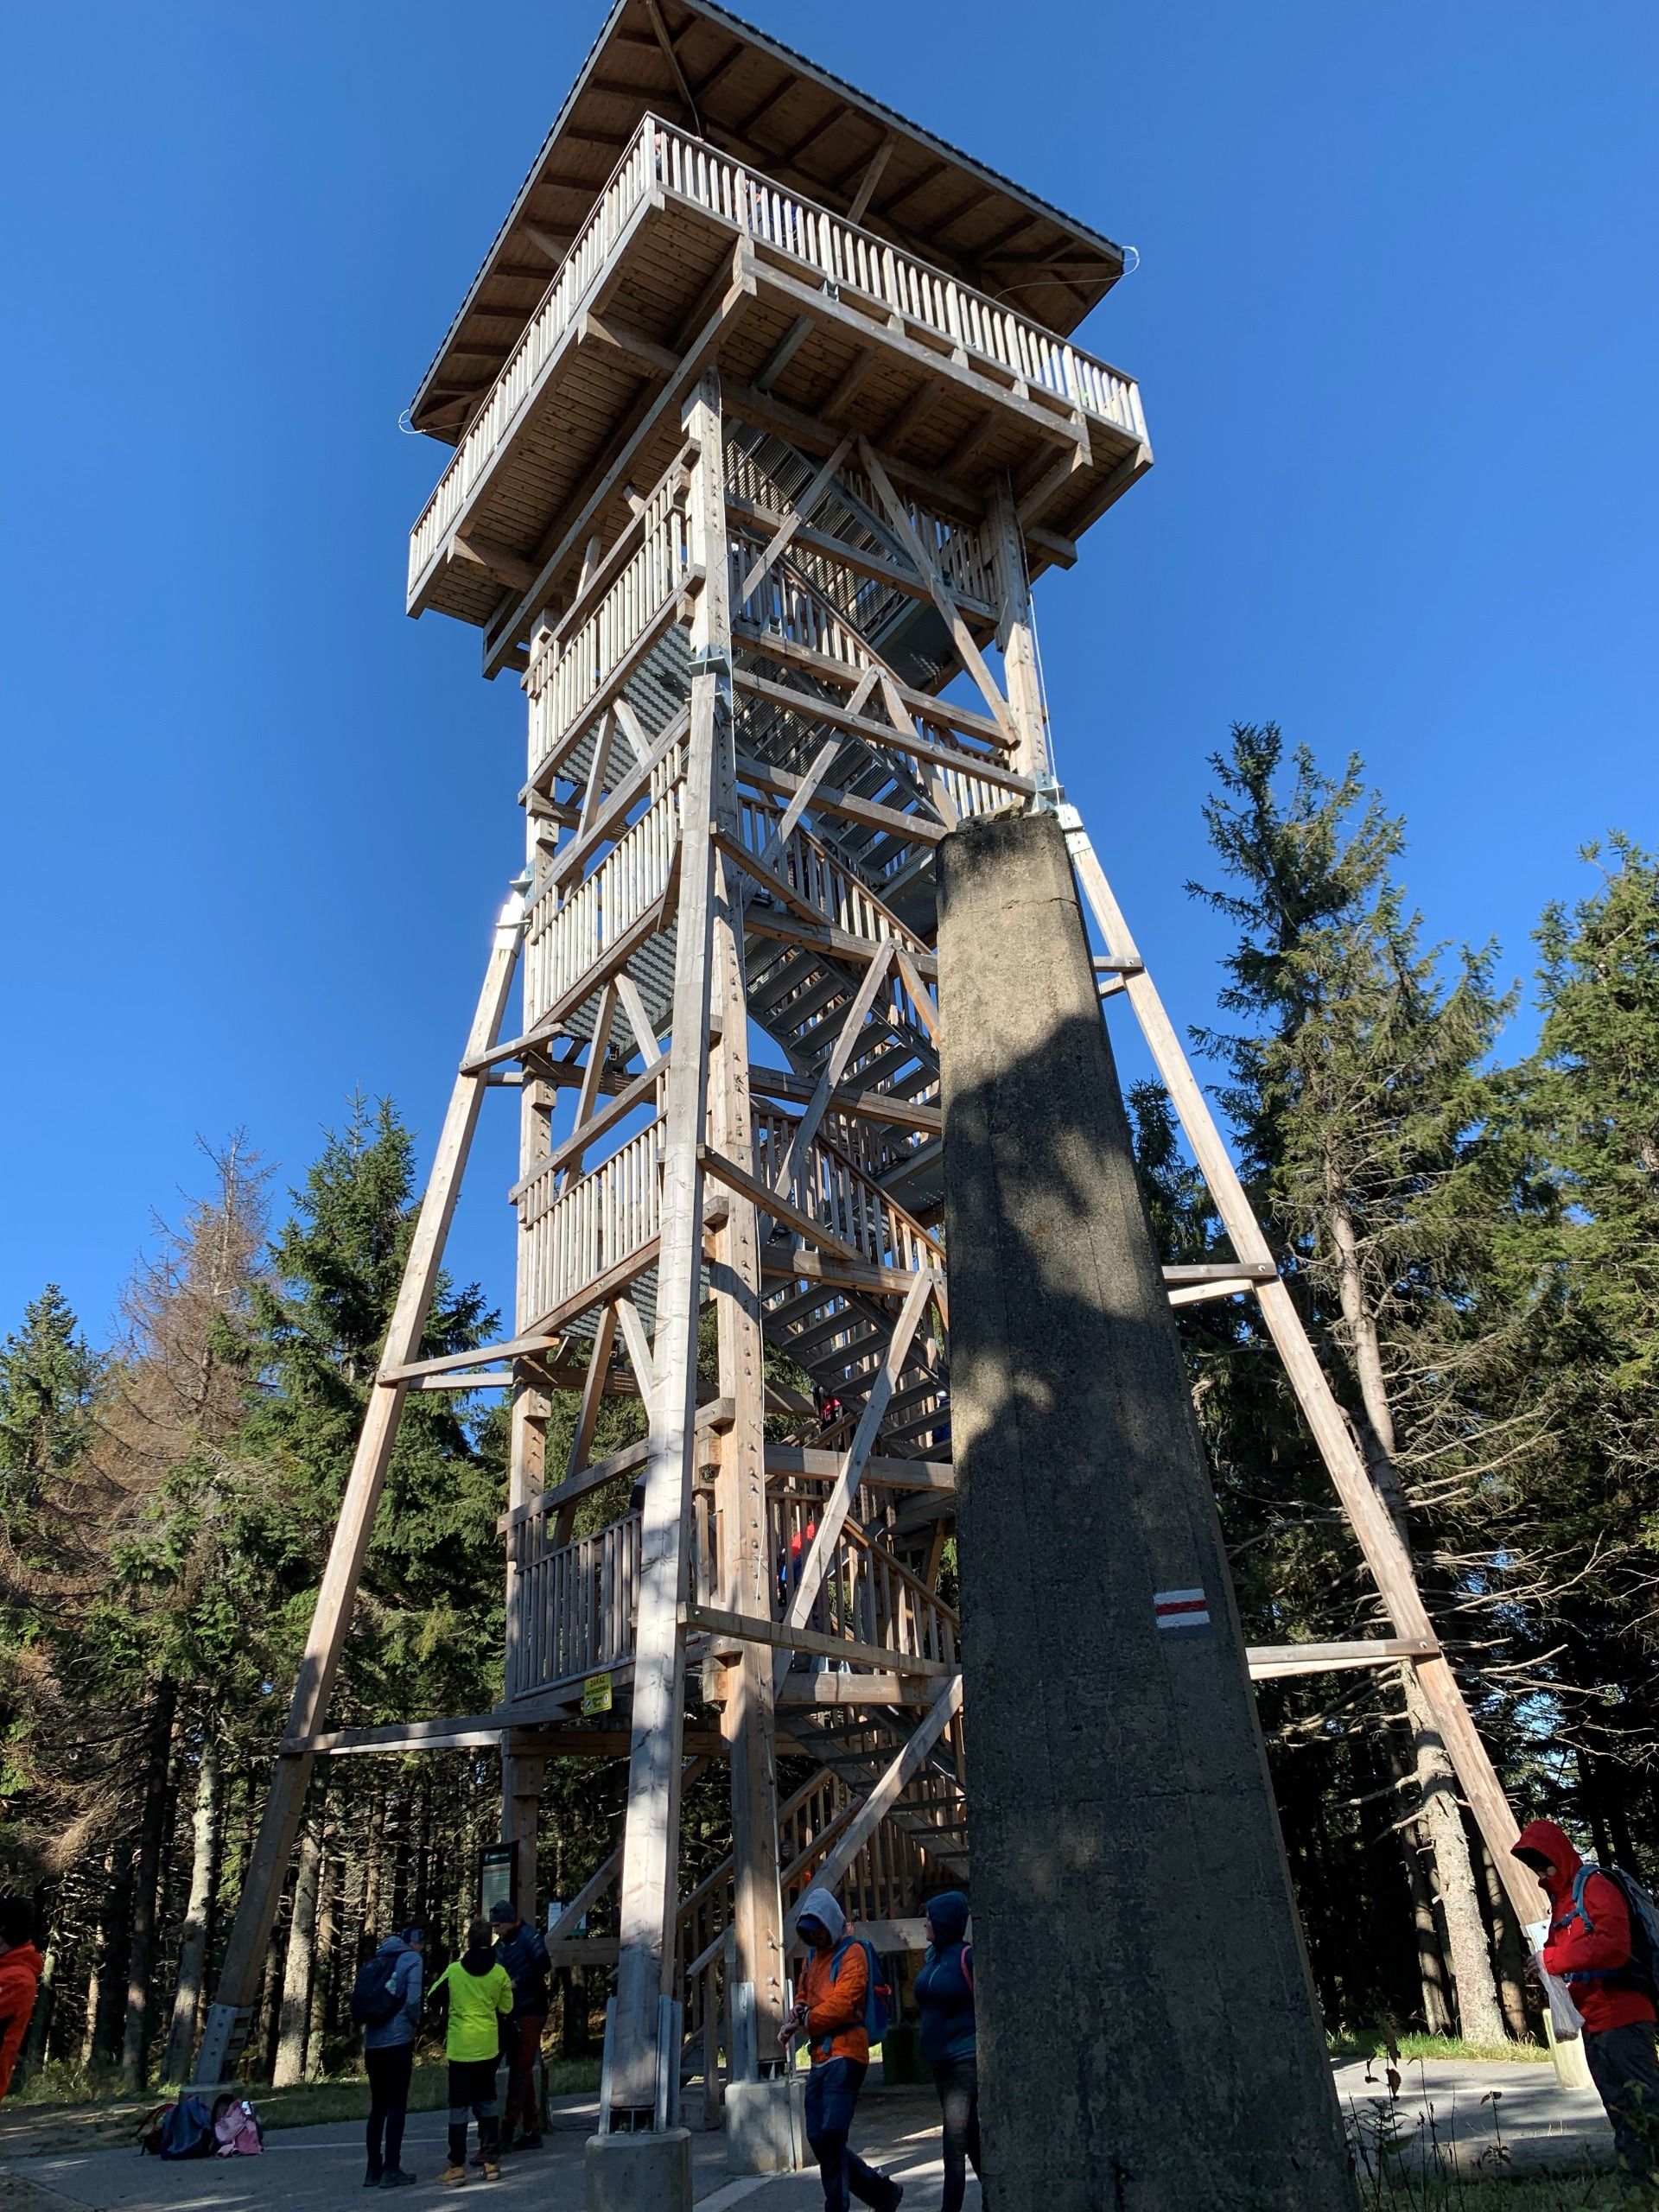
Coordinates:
x,y
837,252
833,1193
829,887
575,1604
575,1236
630,182
856,259
960,550
867,1596
569,937
563,681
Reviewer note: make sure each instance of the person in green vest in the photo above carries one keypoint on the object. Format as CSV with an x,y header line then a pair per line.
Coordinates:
x,y
480,1991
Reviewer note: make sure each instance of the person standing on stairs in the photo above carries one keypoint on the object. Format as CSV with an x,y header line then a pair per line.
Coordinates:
x,y
829,2010
480,1991
944,2000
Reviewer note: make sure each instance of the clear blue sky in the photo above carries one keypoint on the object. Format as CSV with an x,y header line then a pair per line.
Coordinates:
x,y
1395,328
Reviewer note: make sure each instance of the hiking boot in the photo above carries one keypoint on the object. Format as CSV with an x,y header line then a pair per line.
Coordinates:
x,y
453,2176
491,2172
395,2178
374,2176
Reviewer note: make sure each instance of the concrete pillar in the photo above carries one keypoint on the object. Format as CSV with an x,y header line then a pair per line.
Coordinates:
x,y
1149,2035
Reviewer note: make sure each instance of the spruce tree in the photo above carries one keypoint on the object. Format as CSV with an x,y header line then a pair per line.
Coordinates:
x,y
1356,1086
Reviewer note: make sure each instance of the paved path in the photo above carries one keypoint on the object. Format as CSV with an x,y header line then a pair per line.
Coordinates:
x,y
1461,2110
320,2168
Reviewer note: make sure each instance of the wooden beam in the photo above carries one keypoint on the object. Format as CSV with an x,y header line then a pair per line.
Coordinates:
x,y
832,1515
801,512
887,1792
928,569
834,1067
1272,1661
737,1629
872,176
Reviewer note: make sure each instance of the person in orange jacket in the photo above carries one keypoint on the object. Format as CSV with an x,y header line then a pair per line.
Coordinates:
x,y
828,2011
1589,1948
20,1979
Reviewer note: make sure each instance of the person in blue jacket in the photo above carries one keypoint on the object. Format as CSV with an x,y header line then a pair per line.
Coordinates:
x,y
944,2001
389,2058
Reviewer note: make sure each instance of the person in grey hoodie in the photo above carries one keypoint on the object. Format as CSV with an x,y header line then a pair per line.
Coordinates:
x,y
389,2056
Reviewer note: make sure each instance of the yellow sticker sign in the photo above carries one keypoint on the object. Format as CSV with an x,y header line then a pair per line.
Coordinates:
x,y
596,1694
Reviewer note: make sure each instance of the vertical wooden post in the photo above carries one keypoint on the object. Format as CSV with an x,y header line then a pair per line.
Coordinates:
x,y
521,1802
748,1716
651,1841
1017,638
244,1957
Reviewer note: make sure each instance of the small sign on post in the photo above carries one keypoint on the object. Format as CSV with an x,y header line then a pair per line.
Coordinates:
x,y
595,1696
495,1873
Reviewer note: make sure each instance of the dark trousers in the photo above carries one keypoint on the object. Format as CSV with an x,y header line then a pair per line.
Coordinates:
x,y
523,2037
1625,2070
471,2089
389,2071
831,2100
957,2080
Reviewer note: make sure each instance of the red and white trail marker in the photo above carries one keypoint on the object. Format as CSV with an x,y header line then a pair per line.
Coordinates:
x,y
1181,1612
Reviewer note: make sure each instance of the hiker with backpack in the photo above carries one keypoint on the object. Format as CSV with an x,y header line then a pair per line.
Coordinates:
x,y
522,1950
480,1991
945,2003
386,2005
1603,1944
840,2008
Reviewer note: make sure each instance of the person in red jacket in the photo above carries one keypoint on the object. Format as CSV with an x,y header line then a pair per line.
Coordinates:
x,y
1589,1948
20,1977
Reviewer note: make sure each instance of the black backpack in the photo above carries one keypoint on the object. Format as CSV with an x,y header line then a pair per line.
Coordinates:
x,y
376,1997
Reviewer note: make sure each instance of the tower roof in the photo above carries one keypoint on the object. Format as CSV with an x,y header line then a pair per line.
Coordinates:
x,y
694,64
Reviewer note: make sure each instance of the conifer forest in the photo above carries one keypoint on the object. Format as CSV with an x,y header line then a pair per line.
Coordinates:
x,y
1460,1178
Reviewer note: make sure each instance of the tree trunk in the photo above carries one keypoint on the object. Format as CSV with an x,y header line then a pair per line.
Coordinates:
x,y
1479,2018
296,2011
152,1834
1417,1855
326,1958
35,2043
193,1940
1510,1950
95,1972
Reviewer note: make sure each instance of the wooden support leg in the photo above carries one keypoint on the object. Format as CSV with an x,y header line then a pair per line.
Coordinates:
x,y
748,1719
1379,1541
650,1843
238,1984
522,1773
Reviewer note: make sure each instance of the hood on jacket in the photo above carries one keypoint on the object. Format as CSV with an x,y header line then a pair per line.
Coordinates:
x,y
820,1905
25,1955
1551,1842
390,1948
478,1962
948,1914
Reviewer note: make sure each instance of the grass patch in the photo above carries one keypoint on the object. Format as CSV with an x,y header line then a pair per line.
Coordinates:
x,y
1377,2043
62,2107
1565,2192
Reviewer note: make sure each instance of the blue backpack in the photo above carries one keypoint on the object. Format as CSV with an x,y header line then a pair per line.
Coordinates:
x,y
1641,1970
878,1990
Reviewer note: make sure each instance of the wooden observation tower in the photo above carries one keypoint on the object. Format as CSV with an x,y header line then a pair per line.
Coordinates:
x,y
766,414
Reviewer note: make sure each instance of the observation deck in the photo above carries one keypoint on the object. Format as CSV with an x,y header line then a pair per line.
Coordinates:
x,y
861,321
